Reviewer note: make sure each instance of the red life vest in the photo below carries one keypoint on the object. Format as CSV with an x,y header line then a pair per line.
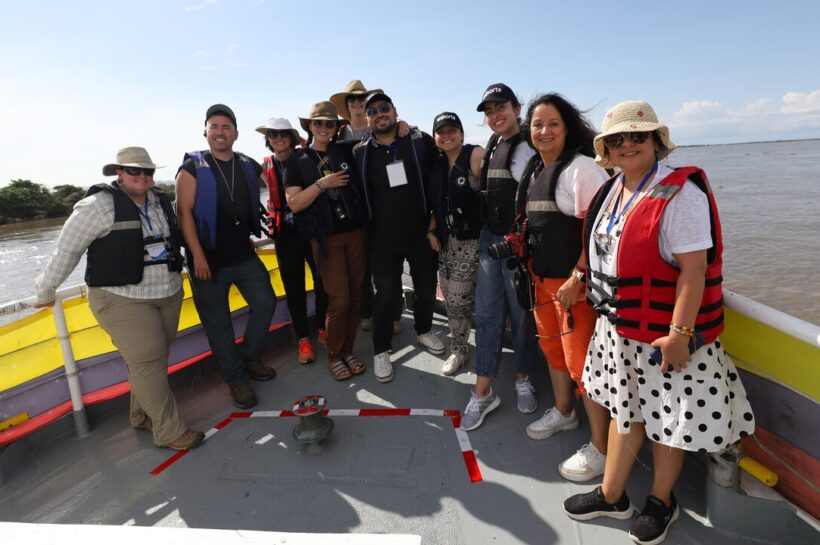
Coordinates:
x,y
275,209
644,290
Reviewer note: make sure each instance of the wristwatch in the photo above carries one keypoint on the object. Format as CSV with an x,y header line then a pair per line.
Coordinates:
x,y
579,275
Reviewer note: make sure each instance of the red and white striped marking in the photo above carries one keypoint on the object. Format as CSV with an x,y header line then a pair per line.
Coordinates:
x,y
463,440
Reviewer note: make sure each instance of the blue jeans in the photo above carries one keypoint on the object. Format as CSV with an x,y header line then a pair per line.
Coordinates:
x,y
211,300
494,288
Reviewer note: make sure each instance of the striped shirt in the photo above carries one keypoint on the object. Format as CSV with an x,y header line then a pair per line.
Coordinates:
x,y
93,218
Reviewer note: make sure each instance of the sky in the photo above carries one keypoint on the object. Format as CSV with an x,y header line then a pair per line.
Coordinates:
x,y
80,80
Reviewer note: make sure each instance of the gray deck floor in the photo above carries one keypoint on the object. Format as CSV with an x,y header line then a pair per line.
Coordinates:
x,y
392,475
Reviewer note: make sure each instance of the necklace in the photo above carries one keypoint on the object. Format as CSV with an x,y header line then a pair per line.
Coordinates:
x,y
222,174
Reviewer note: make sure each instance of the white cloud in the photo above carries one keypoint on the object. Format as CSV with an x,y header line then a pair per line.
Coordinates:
x,y
761,105
796,102
201,5
696,110
212,60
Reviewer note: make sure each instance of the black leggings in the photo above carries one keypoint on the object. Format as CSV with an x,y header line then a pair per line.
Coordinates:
x,y
292,253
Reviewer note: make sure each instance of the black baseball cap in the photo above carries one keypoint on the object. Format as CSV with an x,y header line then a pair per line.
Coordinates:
x,y
220,109
497,92
374,97
447,118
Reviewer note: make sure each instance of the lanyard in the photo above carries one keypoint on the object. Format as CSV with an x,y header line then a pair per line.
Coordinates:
x,y
615,217
144,214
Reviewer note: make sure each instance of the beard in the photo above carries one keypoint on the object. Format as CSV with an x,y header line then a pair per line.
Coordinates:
x,y
388,129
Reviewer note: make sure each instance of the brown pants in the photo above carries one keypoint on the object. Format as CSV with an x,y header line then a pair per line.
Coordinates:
x,y
142,330
342,272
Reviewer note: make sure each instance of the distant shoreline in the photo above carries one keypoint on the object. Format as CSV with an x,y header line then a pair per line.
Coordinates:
x,y
750,142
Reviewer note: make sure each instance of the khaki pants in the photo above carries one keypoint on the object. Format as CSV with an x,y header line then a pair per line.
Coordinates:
x,y
142,330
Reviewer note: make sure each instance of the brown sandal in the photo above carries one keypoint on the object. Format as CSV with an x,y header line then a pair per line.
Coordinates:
x,y
339,370
355,365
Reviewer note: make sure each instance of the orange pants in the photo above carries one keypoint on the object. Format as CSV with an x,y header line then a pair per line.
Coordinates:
x,y
567,352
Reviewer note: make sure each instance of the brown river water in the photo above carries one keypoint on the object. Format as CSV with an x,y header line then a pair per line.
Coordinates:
x,y
768,195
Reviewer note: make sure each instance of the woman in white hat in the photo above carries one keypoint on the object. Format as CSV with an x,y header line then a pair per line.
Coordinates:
x,y
327,208
655,362
133,275
292,250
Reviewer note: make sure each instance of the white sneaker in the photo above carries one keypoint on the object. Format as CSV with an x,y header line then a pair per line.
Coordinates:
x,y
433,343
382,367
584,465
551,422
454,363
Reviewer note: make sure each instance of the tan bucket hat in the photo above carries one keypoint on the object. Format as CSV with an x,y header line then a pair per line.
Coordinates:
x,y
130,157
355,87
321,110
278,124
630,116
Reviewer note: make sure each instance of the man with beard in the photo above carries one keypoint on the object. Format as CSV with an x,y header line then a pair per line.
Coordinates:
x,y
217,204
398,176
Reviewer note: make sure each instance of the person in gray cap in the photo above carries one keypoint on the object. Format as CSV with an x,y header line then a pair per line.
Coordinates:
x,y
134,284
218,206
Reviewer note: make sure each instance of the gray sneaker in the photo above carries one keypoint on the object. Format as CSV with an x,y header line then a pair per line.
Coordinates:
x,y
527,403
477,409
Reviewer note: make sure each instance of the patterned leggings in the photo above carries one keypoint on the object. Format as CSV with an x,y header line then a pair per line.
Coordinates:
x,y
458,263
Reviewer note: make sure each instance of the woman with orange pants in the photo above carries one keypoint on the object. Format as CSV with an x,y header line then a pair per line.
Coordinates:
x,y
558,185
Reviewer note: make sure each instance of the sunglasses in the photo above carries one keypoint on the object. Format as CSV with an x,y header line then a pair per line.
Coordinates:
x,y
615,141
284,133
382,108
319,123
570,322
355,98
136,171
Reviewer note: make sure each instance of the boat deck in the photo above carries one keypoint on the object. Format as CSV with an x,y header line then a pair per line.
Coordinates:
x,y
377,474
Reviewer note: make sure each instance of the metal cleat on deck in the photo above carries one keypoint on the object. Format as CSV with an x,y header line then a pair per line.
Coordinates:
x,y
313,427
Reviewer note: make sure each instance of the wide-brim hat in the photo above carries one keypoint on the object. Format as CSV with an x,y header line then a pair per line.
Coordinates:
x,y
325,110
630,116
130,157
356,88
278,124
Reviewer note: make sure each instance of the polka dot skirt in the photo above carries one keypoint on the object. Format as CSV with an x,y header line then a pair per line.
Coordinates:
x,y
704,407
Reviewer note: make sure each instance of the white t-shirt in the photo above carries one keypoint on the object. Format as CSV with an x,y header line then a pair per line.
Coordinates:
x,y
685,225
521,155
577,185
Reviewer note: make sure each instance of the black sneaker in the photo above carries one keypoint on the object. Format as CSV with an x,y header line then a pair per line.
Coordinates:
x,y
592,505
654,521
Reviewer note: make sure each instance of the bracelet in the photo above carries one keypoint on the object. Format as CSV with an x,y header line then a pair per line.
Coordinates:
x,y
320,186
682,330
431,231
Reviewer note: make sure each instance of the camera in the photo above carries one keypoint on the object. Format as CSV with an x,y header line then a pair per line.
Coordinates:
x,y
513,244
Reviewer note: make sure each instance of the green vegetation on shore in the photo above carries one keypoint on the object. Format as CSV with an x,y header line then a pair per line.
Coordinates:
x,y
24,200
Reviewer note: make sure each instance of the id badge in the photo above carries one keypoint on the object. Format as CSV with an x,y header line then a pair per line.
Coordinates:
x,y
395,174
156,250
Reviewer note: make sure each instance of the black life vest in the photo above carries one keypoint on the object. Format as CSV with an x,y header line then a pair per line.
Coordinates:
x,y
462,202
498,187
118,258
555,239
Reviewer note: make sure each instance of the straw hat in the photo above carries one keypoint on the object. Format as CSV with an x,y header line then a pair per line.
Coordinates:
x,y
130,157
356,88
630,116
278,124
321,110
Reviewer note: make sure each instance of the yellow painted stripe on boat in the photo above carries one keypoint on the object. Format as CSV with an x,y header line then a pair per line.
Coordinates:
x,y
29,346
775,354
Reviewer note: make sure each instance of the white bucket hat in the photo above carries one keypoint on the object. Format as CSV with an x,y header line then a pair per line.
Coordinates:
x,y
278,124
630,116
130,157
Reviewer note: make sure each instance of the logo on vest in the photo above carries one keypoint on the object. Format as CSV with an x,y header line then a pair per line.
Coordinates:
x,y
460,181
343,166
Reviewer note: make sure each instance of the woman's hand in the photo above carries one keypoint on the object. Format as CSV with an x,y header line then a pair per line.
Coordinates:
x,y
201,268
434,243
674,351
335,179
569,292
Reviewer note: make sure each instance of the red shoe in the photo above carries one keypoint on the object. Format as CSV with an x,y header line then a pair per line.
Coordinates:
x,y
323,336
306,354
